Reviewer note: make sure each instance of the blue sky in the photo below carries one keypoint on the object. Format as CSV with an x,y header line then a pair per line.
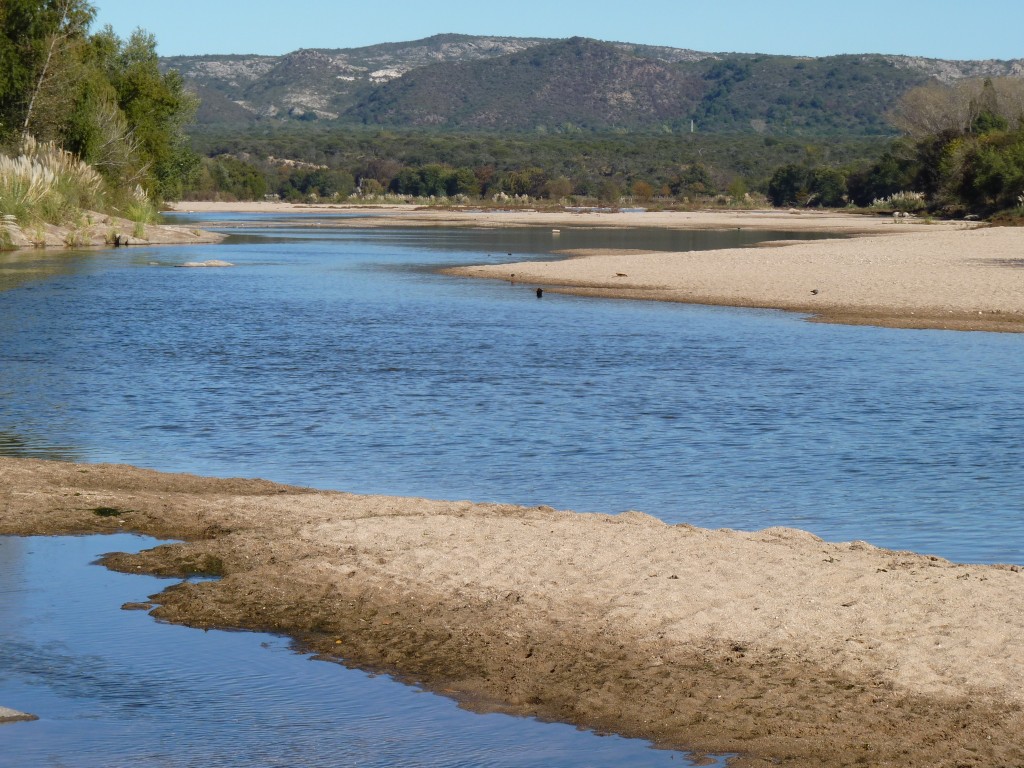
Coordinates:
x,y
935,28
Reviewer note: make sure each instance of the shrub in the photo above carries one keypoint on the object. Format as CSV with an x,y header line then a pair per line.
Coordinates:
x,y
45,183
798,185
908,202
25,187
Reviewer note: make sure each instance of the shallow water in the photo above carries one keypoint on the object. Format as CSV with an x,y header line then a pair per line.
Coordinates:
x,y
338,359
115,689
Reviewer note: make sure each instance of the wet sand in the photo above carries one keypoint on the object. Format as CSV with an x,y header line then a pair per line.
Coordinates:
x,y
773,644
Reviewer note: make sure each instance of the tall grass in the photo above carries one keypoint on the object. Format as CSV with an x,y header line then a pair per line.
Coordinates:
x,y
47,184
140,209
908,202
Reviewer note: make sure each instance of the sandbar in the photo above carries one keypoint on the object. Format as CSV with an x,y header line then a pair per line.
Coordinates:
x,y
902,273
398,215
953,279
942,278
773,644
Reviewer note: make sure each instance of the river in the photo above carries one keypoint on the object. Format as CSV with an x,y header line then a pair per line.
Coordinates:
x,y
339,358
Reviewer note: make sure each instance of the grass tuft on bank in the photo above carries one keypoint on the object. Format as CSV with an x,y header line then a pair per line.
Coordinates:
x,y
46,184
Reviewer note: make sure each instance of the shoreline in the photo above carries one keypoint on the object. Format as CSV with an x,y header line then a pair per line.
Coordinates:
x,y
100,231
424,216
774,644
904,273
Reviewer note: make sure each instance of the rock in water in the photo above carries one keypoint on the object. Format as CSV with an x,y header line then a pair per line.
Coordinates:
x,y
210,263
14,716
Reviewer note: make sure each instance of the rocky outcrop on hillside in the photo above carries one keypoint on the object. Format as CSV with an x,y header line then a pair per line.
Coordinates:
x,y
320,83
514,84
950,71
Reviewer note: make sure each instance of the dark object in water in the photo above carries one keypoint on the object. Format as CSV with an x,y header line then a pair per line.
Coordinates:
x,y
814,291
540,292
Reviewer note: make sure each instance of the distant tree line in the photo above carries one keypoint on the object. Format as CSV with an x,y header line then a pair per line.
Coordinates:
x,y
962,153
329,161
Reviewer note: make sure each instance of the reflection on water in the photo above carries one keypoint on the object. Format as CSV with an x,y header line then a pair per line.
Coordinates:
x,y
25,266
338,359
12,444
115,689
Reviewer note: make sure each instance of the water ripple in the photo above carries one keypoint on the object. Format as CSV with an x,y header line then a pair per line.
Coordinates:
x,y
338,360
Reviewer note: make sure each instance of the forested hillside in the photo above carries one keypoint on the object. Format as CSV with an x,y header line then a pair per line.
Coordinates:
x,y
580,84
318,84
466,83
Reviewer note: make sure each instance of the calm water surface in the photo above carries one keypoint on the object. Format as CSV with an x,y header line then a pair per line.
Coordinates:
x,y
336,358
114,689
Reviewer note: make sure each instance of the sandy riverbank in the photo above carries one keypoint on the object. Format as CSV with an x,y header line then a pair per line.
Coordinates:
x,y
920,278
414,216
907,273
774,644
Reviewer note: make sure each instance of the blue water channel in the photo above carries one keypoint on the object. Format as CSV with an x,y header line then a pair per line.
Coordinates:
x,y
339,358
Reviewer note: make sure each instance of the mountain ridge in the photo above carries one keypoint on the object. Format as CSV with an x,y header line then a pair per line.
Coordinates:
x,y
492,83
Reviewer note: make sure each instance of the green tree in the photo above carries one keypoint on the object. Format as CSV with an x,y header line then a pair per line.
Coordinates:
x,y
463,181
828,188
99,97
737,189
34,38
370,187
788,185
609,192
964,151
695,179
993,172
895,171
558,188
156,107
233,179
